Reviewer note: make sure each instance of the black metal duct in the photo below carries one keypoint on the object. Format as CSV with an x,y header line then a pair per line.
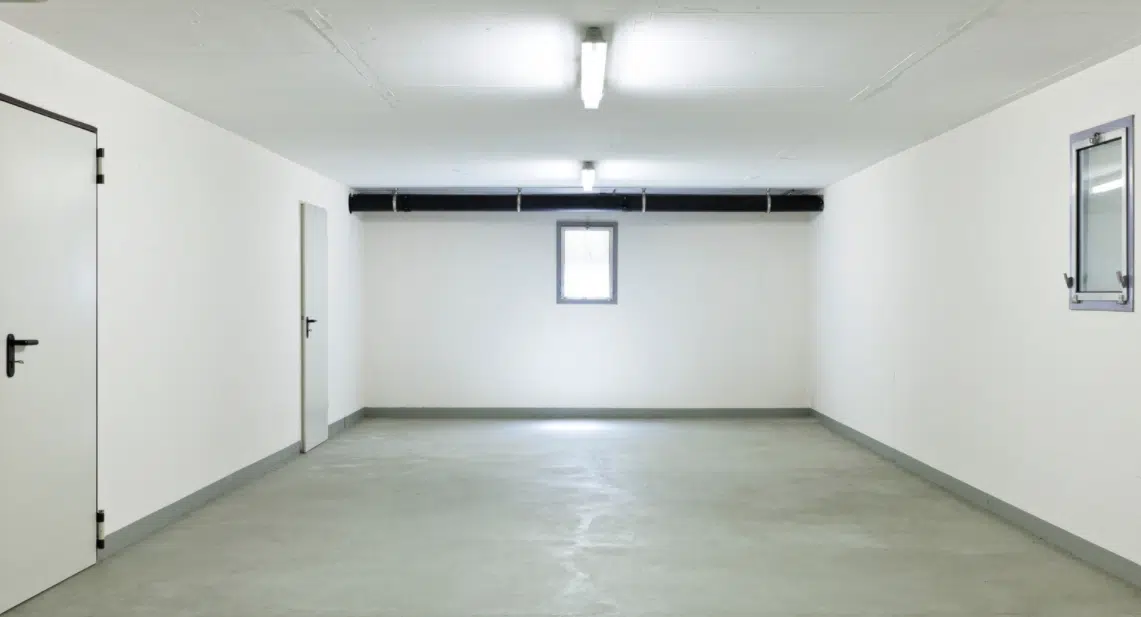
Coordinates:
x,y
602,202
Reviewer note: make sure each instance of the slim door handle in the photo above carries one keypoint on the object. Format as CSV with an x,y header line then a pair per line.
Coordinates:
x,y
12,344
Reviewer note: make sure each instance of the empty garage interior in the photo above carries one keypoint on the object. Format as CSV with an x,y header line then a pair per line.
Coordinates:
x,y
804,308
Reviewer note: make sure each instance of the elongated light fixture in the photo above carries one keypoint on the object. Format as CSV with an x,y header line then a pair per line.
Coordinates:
x,y
588,176
593,68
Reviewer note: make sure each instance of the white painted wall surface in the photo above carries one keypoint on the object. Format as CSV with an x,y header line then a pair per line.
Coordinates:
x,y
712,312
199,299
943,324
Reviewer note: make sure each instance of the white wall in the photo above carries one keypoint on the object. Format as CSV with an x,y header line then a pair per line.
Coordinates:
x,y
199,351
460,311
943,324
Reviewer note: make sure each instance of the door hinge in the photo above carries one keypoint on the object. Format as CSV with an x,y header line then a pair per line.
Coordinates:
x,y
99,178
100,537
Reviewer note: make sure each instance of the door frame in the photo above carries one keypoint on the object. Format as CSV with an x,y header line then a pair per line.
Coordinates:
x,y
96,182
11,100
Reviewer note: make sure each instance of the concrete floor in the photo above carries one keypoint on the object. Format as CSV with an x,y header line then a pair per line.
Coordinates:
x,y
655,518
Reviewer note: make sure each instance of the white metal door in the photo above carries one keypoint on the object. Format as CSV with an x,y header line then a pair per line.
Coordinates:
x,y
47,408
314,326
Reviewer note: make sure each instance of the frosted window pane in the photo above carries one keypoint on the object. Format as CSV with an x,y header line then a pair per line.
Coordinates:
x,y
1101,217
586,264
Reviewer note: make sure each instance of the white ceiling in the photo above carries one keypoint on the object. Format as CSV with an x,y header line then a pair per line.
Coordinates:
x,y
483,93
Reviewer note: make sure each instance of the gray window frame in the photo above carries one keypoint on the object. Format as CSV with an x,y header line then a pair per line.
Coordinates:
x,y
1122,301
560,229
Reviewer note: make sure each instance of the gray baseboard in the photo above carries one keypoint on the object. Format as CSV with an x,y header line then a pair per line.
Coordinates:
x,y
336,427
1082,549
152,523
592,413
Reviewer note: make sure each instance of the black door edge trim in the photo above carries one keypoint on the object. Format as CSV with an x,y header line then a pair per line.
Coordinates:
x,y
50,114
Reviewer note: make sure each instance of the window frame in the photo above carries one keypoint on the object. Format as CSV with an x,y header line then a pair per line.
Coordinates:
x,y
1117,301
560,229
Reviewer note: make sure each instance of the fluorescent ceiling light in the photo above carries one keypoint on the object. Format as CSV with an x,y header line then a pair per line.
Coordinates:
x,y
588,176
1112,185
593,68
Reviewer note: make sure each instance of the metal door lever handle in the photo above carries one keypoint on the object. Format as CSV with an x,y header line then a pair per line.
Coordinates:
x,y
12,344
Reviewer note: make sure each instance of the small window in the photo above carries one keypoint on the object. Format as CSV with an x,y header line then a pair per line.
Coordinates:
x,y
1101,218
588,263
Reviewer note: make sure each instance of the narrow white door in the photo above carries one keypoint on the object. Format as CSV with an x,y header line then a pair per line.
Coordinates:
x,y
47,344
314,327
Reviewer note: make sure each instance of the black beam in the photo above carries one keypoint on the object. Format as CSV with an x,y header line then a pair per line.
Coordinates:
x,y
707,203
570,202
798,203
450,203
603,202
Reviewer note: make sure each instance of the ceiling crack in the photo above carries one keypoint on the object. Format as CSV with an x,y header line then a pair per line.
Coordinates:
x,y
914,58
321,24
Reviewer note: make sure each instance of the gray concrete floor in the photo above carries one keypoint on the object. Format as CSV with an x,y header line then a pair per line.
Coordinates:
x,y
645,518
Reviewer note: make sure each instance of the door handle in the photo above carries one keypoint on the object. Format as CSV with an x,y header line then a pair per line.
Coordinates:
x,y
12,344
308,323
